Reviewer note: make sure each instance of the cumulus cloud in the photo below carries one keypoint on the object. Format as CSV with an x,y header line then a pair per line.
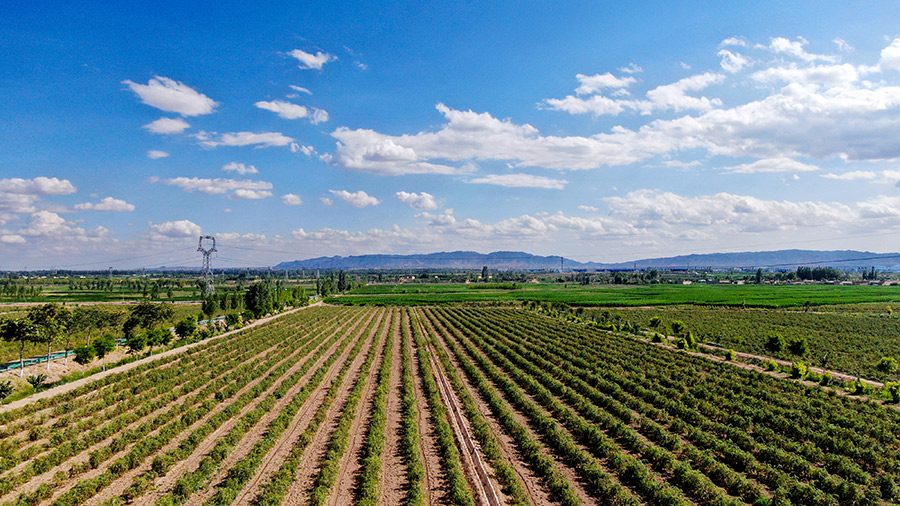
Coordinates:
x,y
771,165
521,181
237,189
107,204
732,62
796,49
825,74
155,154
240,168
890,56
854,175
12,239
259,140
356,199
171,96
290,199
176,229
631,68
598,82
589,209
421,200
167,126
288,110
19,195
300,89
312,61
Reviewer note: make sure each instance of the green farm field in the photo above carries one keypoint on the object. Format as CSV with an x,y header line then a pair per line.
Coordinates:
x,y
446,405
763,296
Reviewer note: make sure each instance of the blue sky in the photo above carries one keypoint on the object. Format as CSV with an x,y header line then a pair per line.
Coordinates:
x,y
599,131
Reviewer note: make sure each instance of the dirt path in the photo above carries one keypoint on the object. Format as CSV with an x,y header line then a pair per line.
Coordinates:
x,y
393,470
46,394
343,491
481,476
571,474
435,481
165,482
534,487
298,492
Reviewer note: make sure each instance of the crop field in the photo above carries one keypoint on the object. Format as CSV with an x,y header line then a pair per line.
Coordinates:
x,y
848,341
445,405
765,296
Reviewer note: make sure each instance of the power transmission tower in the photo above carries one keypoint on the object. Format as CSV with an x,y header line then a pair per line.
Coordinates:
x,y
208,288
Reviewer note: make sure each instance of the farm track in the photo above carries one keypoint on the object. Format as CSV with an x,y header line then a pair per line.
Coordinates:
x,y
480,474
165,482
569,470
435,481
537,492
304,479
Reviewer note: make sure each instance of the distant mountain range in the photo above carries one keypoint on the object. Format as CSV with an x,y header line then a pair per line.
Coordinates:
x,y
517,260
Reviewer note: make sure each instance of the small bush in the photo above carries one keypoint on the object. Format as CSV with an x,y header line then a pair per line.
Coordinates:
x,y
657,338
6,389
887,365
798,370
775,343
770,365
729,355
36,381
799,346
826,380
893,389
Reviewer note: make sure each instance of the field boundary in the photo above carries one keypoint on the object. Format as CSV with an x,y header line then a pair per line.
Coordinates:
x,y
61,389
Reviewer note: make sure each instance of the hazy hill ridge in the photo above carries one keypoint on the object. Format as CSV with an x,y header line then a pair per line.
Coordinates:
x,y
782,259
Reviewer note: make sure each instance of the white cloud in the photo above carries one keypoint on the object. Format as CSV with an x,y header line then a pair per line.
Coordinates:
x,y
631,68
312,61
356,199
240,168
239,189
851,176
795,48
327,201
734,41
176,229
291,200
890,56
598,105
171,96
771,165
155,154
288,110
19,195
842,44
727,213
260,140
167,126
12,239
306,150
589,209
598,82
732,62
107,204
244,194
674,96
300,89
417,200
826,74
521,181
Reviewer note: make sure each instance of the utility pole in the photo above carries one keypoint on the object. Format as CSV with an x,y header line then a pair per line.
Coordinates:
x,y
208,289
